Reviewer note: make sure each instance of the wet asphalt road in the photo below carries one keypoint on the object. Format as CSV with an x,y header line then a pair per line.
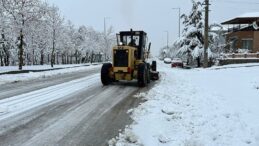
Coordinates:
x,y
88,117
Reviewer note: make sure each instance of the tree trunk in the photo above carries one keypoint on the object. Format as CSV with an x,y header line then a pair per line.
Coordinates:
x,y
33,56
48,58
52,59
71,59
21,51
76,56
86,57
41,57
1,59
67,59
7,59
26,59
62,59
198,61
53,49
5,54
92,57
57,58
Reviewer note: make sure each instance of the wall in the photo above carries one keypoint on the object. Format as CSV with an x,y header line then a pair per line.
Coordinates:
x,y
240,35
237,61
256,41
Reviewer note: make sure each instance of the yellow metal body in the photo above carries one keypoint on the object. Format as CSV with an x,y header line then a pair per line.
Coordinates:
x,y
126,73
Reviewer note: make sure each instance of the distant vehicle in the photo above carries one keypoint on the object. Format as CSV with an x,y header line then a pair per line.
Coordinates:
x,y
177,62
168,60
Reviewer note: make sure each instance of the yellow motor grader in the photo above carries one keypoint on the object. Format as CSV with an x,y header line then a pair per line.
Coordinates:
x,y
130,60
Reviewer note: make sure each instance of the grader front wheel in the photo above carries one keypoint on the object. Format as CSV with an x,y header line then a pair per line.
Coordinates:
x,y
105,71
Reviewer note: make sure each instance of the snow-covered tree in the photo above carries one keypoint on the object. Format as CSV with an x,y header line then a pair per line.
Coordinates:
x,y
21,12
4,49
55,22
32,32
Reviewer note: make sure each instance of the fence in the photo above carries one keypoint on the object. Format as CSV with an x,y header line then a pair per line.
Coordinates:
x,y
238,58
242,55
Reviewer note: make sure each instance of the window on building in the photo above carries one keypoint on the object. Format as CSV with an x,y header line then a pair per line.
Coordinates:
x,y
247,44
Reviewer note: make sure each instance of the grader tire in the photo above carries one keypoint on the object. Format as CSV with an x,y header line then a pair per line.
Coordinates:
x,y
105,71
142,75
148,73
153,66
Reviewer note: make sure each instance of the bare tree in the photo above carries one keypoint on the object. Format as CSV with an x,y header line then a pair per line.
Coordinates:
x,y
56,22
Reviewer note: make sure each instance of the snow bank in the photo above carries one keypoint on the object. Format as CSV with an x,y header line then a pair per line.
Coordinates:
x,y
29,76
235,66
199,107
37,67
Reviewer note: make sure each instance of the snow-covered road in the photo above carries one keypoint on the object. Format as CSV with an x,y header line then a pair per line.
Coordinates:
x,y
27,83
22,103
75,111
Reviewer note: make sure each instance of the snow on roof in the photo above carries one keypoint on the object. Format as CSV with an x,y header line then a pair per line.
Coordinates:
x,y
251,14
246,18
217,28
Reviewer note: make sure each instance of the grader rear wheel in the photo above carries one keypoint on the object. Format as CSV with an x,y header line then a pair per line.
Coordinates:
x,y
153,66
142,75
148,73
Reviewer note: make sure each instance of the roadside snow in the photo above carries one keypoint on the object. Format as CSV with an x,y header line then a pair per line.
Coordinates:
x,y
37,67
236,66
35,75
199,107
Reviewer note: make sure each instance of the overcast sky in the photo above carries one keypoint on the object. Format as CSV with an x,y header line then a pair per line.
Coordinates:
x,y
153,16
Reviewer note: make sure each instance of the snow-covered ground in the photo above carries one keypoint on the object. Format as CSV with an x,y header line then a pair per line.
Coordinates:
x,y
35,75
198,107
37,67
235,66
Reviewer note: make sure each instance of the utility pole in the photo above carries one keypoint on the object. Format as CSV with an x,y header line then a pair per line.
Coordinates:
x,y
167,37
104,24
179,21
105,37
206,34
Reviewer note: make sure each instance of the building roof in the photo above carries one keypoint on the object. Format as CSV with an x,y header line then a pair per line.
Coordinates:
x,y
247,18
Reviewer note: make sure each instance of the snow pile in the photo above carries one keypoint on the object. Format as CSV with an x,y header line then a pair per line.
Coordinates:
x,y
29,76
199,107
127,138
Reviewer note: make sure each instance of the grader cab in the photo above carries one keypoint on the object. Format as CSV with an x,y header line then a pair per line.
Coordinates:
x,y
130,60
